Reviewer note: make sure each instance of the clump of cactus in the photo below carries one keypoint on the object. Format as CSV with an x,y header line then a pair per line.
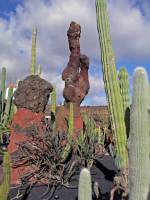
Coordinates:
x,y
33,52
69,144
138,144
125,93
111,84
85,185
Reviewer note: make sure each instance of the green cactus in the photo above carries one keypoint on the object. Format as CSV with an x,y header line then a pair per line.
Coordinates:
x,y
40,71
8,107
125,93
33,52
68,147
138,143
111,84
4,187
124,87
53,101
85,185
3,90
71,120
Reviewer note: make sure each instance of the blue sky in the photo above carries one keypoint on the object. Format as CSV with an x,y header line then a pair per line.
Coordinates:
x,y
130,30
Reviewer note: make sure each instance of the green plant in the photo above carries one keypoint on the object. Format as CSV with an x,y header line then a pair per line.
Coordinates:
x,y
53,101
33,52
90,142
40,71
71,120
69,145
3,90
111,84
85,185
124,87
4,187
138,143
125,93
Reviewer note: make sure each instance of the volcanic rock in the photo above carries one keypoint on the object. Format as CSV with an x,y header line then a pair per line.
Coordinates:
x,y
33,93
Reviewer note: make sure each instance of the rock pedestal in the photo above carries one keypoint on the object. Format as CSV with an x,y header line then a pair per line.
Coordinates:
x,y
31,98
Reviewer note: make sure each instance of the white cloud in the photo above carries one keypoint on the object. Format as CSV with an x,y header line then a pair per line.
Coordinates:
x,y
130,34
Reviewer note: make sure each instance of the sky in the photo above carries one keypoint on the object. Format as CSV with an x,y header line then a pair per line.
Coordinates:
x,y
130,31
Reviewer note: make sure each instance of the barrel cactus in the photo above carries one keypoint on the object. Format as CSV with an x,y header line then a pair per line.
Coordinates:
x,y
139,138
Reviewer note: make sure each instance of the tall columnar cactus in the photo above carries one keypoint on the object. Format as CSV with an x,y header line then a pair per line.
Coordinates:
x,y
125,93
3,90
5,118
85,185
139,171
33,52
4,187
71,120
124,87
111,84
53,101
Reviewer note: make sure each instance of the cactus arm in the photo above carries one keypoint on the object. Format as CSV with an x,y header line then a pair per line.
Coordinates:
x,y
33,52
111,85
85,186
139,172
4,187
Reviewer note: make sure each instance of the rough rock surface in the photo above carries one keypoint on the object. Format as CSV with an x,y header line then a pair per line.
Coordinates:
x,y
32,93
25,123
76,80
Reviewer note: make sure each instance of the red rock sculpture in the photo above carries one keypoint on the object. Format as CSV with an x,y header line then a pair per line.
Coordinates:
x,y
76,80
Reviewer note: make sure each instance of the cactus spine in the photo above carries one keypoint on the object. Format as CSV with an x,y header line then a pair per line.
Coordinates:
x,y
85,185
3,90
33,52
139,138
111,85
4,187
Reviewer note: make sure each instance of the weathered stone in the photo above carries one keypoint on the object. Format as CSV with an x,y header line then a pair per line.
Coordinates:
x,y
33,93
76,80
